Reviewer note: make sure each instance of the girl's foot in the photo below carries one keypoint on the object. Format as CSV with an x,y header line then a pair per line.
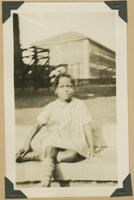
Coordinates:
x,y
46,181
31,156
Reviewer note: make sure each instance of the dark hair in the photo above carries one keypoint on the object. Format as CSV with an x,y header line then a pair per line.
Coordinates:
x,y
56,82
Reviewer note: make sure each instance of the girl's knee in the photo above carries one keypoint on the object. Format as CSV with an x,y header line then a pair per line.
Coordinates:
x,y
50,151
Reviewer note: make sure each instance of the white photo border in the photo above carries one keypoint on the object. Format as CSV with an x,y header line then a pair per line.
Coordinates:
x,y
121,102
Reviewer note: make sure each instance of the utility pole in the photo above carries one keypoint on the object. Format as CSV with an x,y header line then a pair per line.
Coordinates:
x,y
18,66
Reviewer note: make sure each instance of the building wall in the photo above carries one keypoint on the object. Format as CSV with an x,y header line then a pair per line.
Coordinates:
x,y
74,54
102,61
84,59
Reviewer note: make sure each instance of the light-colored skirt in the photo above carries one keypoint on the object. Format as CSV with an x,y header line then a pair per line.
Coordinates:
x,y
59,139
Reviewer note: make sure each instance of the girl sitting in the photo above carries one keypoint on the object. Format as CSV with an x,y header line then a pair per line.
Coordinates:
x,y
67,131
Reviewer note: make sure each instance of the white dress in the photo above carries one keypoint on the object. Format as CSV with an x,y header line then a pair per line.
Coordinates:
x,y
64,126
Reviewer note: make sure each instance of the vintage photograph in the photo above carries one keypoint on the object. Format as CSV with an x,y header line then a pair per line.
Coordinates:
x,y
65,108
65,99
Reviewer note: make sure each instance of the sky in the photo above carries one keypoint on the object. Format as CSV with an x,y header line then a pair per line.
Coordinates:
x,y
99,26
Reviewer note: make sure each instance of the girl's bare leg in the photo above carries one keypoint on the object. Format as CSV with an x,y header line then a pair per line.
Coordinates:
x,y
67,156
49,165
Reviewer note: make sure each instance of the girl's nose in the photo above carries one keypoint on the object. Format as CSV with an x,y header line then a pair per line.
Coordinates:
x,y
65,88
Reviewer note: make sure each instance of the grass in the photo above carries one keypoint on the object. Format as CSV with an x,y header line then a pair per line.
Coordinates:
x,y
31,99
101,102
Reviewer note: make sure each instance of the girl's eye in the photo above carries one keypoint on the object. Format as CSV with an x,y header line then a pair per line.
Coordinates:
x,y
62,86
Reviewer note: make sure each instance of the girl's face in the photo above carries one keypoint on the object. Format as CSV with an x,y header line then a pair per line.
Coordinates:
x,y
65,89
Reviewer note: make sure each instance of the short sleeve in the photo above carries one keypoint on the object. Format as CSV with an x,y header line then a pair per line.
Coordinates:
x,y
44,115
85,114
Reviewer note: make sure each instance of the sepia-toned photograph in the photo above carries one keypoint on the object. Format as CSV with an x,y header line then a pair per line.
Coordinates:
x,y
65,74
65,98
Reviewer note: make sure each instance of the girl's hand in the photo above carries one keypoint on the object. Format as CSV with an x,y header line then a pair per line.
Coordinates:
x,y
92,155
22,152
25,149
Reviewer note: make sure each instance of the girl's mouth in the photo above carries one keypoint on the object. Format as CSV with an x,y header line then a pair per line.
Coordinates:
x,y
68,100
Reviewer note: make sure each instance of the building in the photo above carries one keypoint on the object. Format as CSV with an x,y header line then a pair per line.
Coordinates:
x,y
84,57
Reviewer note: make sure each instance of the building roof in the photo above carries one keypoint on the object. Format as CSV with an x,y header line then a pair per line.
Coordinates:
x,y
61,38
66,38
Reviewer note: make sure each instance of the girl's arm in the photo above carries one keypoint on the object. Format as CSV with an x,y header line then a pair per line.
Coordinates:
x,y
89,137
26,147
36,128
